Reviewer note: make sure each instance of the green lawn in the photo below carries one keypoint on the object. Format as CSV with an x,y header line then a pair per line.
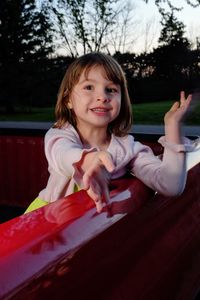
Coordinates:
x,y
36,115
153,113
146,113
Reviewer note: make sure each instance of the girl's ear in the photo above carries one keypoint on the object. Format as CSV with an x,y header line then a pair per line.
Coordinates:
x,y
69,104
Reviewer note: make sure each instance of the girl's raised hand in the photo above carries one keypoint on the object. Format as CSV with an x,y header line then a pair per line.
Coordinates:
x,y
178,110
96,177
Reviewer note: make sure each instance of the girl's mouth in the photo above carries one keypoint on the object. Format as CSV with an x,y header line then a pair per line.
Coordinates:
x,y
99,109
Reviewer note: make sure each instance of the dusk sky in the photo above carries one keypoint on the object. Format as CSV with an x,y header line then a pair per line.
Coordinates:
x,y
188,14
148,14
144,26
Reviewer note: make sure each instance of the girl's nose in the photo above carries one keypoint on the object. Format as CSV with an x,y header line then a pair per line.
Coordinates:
x,y
103,97
104,100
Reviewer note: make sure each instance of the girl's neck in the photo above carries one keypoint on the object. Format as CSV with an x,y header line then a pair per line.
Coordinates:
x,y
95,138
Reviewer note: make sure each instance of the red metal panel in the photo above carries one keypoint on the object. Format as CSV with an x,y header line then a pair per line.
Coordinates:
x,y
23,169
67,251
32,243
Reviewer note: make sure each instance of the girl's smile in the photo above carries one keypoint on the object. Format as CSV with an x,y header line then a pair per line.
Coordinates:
x,y
100,111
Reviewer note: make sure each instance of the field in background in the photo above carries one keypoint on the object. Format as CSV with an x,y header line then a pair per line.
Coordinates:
x,y
146,113
36,115
153,113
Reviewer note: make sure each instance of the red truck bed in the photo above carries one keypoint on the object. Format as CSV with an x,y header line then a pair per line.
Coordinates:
x,y
147,248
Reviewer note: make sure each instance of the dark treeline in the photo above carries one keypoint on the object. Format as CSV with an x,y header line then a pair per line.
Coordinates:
x,y
30,74
35,84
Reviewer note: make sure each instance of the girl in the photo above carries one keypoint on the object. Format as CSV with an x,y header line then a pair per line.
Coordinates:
x,y
89,144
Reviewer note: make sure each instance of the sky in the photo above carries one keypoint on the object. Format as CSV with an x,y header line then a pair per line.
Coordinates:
x,y
144,27
148,14
188,14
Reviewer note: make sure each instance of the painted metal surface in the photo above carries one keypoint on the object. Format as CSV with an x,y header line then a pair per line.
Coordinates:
x,y
23,166
146,247
35,247
23,169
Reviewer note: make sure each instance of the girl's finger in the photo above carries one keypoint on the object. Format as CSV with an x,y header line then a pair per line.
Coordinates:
x,y
99,206
189,99
96,197
106,161
90,173
186,104
175,106
106,194
86,180
182,98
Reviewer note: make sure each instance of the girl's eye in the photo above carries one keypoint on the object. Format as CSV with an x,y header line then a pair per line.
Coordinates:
x,y
88,87
112,90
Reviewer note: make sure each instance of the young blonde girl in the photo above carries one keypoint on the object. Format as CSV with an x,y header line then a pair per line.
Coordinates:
x,y
89,144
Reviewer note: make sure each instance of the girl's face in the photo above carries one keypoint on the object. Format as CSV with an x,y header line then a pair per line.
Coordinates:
x,y
95,100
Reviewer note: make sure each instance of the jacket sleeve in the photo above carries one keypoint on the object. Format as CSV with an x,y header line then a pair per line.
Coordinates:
x,y
166,176
64,151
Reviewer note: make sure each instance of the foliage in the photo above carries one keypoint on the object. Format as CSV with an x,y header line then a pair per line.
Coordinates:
x,y
25,31
173,31
85,25
30,75
172,56
25,39
172,4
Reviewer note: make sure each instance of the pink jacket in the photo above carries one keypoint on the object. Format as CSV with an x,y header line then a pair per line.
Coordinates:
x,y
64,151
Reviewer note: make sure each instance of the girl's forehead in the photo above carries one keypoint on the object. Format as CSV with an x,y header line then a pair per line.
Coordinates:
x,y
92,70
96,71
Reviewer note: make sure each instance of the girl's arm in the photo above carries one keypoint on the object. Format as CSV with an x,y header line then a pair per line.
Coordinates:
x,y
64,151
168,176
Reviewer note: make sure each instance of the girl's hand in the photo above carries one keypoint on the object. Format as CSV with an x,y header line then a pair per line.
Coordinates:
x,y
178,110
96,177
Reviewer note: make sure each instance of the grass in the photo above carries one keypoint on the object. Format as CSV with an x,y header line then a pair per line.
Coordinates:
x,y
153,113
36,115
145,113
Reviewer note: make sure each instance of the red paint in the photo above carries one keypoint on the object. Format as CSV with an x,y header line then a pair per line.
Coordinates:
x,y
148,247
68,251
32,242
23,169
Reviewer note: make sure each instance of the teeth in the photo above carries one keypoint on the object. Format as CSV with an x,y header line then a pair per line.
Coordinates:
x,y
99,109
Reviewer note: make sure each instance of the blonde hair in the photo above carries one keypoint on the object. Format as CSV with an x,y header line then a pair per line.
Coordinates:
x,y
121,125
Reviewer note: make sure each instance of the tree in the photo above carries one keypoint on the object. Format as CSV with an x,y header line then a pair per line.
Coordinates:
x,y
172,32
173,7
25,32
172,59
149,34
25,38
173,51
122,37
87,25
